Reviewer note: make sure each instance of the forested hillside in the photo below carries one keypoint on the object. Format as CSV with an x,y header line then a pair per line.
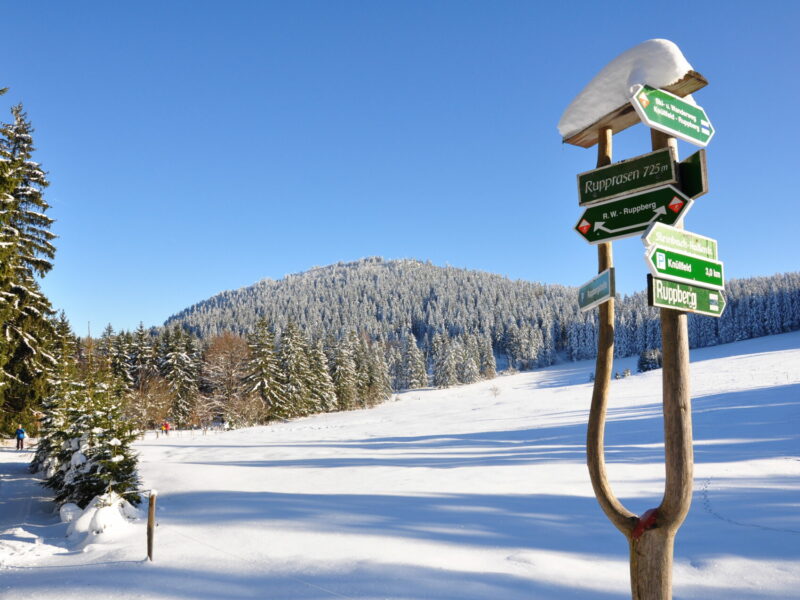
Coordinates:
x,y
529,323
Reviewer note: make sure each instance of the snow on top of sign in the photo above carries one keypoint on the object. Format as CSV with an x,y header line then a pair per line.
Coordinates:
x,y
657,63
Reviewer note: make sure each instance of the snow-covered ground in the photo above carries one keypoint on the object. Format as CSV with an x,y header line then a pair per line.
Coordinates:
x,y
476,492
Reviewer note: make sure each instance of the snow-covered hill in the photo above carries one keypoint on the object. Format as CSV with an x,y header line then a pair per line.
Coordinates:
x,y
476,492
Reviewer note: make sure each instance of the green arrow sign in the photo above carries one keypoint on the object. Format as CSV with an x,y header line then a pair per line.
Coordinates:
x,y
680,296
673,115
627,177
630,215
598,290
680,240
686,268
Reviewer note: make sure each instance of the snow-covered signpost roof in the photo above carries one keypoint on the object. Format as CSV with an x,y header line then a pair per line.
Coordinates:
x,y
605,101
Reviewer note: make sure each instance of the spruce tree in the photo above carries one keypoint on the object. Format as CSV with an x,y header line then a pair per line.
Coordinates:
x,y
444,363
62,396
344,374
293,356
322,390
488,365
414,369
467,360
181,369
379,385
265,377
95,455
27,253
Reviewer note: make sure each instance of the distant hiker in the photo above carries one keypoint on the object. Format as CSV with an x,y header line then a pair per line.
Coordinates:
x,y
165,427
20,435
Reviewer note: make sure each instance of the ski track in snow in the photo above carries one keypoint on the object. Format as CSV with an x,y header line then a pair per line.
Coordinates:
x,y
476,492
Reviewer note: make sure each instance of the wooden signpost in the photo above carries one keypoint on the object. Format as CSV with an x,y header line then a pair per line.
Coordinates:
x,y
650,535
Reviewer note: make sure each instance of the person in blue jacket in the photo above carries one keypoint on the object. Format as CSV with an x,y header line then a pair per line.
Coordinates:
x,y
20,435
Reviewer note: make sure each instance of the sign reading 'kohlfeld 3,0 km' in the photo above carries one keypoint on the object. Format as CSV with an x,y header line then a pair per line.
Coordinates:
x,y
627,177
673,115
631,215
685,267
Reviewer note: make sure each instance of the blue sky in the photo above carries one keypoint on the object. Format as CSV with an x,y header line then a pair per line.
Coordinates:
x,y
195,147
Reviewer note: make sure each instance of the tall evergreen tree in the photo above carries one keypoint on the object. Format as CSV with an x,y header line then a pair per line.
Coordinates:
x,y
345,378
488,364
322,390
293,356
444,362
265,377
62,397
181,369
27,252
415,373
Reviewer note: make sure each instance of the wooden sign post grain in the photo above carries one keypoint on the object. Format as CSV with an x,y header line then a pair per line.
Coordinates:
x,y
151,523
650,536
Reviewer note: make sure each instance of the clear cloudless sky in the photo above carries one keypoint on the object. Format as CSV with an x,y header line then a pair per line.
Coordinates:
x,y
200,146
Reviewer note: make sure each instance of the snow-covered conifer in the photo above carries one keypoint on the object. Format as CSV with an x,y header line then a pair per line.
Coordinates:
x,y
444,362
322,390
344,374
27,253
415,373
265,377
293,357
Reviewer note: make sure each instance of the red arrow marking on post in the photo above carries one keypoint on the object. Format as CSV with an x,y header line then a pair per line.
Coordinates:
x,y
676,204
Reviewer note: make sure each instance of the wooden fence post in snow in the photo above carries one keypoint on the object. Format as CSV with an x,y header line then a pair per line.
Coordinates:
x,y
151,523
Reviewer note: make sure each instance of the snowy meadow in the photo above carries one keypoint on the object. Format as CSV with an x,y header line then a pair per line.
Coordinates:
x,y
475,492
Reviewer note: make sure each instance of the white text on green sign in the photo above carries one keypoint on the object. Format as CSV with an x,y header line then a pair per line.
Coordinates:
x,y
631,215
673,115
685,268
627,177
680,240
596,291
662,293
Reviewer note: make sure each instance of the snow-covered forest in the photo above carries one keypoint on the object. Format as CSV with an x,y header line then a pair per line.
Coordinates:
x,y
528,324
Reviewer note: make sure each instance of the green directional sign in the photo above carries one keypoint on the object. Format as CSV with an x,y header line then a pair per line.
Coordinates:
x,y
684,297
686,268
598,290
680,240
631,215
627,177
673,115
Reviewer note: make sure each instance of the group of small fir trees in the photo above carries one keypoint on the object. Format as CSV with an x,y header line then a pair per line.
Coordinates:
x,y
45,383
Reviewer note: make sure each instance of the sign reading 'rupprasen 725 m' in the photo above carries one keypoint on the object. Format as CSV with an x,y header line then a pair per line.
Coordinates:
x,y
627,177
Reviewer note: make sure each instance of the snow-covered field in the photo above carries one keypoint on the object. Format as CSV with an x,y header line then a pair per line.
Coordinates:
x,y
476,492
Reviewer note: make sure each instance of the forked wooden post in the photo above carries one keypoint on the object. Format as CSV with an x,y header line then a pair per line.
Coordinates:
x,y
651,536
595,453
